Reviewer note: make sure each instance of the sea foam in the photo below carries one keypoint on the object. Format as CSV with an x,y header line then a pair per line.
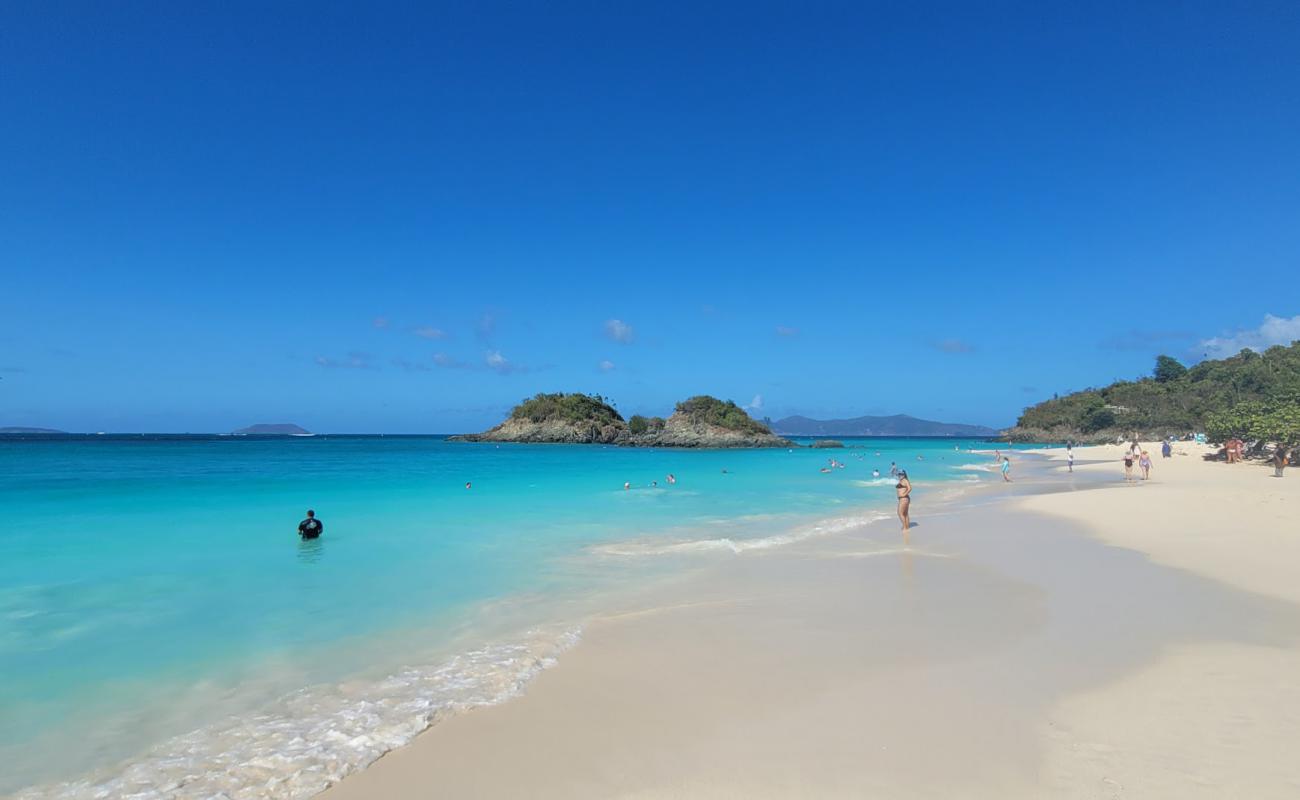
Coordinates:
x,y
312,738
651,547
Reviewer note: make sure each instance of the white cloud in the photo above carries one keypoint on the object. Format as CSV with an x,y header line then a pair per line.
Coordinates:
x,y
619,331
756,404
606,366
354,360
1273,330
429,333
499,363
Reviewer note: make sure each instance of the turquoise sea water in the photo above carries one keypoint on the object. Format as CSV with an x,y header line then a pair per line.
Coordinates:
x,y
164,632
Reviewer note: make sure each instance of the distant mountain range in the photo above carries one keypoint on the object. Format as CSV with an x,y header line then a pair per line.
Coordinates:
x,y
897,425
20,429
274,429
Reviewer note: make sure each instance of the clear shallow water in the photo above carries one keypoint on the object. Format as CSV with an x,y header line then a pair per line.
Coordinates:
x,y
163,630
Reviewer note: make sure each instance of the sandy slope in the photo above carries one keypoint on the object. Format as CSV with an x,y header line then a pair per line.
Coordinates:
x,y
1013,652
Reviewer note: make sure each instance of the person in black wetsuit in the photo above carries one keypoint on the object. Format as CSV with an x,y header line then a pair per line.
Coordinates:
x,y
310,528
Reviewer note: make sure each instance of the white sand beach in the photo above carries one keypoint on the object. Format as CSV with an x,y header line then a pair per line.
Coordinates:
x,y
1102,641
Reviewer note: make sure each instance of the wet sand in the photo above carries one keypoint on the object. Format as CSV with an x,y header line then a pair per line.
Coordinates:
x,y
1111,641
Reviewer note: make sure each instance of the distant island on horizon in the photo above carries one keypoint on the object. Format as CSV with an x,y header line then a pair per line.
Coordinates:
x,y
274,429
21,429
895,425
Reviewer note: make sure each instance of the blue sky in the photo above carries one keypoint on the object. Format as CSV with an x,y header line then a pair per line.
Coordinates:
x,y
406,217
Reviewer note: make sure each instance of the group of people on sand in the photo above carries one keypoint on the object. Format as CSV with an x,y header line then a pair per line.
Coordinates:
x,y
1235,450
1004,465
1136,455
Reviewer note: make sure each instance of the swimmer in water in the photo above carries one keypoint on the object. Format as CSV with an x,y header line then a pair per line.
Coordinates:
x,y
825,469
310,528
671,479
468,485
875,473
627,485
654,484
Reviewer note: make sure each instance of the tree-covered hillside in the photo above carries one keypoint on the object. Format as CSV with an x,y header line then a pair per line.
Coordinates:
x,y
574,407
1231,396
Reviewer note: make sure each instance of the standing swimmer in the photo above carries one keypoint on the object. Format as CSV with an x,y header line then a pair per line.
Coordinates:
x,y
1006,469
904,489
310,528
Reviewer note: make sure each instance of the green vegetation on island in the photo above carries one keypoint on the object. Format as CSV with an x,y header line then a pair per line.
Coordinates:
x,y
574,407
701,421
638,425
708,410
1252,395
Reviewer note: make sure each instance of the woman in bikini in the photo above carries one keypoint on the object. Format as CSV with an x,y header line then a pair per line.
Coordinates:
x,y
904,489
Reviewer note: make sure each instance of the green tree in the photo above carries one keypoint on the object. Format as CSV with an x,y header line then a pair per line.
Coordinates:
x,y
1168,369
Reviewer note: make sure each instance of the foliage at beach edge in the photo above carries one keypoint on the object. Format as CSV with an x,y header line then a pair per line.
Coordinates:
x,y
1260,422
1251,394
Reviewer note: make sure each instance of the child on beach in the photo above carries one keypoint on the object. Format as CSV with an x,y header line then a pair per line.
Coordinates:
x,y
1069,458
1145,463
1128,467
1006,469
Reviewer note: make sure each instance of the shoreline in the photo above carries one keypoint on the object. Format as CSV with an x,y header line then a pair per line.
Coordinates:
x,y
1015,638
219,755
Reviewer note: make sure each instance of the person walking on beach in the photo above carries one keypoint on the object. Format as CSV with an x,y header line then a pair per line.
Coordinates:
x,y
1069,458
1281,457
1128,467
1166,449
310,528
904,490
1006,469
1145,463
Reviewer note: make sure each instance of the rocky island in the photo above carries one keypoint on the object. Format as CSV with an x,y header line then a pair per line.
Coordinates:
x,y
274,429
576,418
